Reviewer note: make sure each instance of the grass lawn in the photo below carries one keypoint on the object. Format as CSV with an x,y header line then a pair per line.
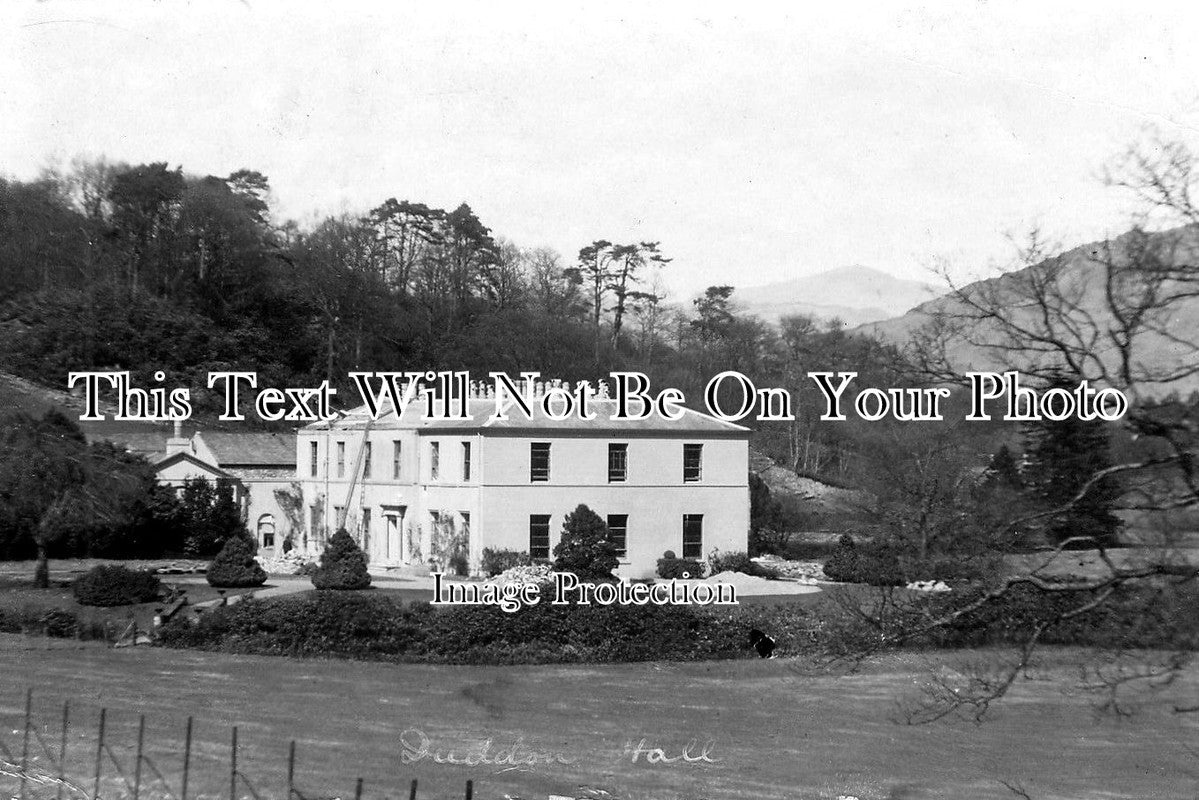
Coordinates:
x,y
773,730
17,593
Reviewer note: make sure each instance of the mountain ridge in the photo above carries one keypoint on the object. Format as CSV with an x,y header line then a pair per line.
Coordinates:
x,y
854,293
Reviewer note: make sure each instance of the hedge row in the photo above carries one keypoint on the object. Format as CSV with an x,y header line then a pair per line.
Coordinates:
x,y
378,628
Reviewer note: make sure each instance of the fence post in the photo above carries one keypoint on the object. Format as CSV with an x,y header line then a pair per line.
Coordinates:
x,y
25,741
99,754
233,767
187,759
62,749
137,765
291,770
412,792
358,790
470,790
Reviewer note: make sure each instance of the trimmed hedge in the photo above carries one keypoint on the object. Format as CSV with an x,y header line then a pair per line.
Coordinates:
x,y
113,585
378,628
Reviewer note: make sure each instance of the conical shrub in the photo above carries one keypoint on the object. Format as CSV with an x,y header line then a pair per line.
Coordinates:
x,y
343,564
234,566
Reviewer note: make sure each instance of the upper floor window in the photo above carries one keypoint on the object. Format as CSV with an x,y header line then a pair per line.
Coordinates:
x,y
465,461
341,459
618,527
434,460
618,462
539,462
693,462
396,452
313,455
366,460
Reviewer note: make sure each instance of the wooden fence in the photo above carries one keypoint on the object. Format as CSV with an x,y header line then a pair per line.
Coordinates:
x,y
37,761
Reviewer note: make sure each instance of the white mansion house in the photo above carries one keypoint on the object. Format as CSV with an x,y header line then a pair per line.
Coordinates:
x,y
414,491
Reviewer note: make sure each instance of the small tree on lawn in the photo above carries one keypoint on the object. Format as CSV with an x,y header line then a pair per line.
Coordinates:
x,y
585,548
235,566
343,564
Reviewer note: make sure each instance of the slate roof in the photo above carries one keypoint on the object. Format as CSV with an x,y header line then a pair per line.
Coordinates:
x,y
251,449
481,411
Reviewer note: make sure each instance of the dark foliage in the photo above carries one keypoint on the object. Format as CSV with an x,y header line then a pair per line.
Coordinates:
x,y
208,517
670,566
114,585
876,563
343,564
585,548
496,561
235,567
1063,456
844,564
372,627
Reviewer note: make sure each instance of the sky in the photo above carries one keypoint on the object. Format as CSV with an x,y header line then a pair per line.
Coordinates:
x,y
755,142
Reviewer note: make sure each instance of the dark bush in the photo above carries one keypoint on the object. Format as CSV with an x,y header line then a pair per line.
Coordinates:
x,y
377,628
1144,616
671,567
844,564
808,550
879,564
235,567
496,561
739,562
112,585
585,548
343,564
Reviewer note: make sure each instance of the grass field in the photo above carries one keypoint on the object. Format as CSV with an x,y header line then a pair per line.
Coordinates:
x,y
774,731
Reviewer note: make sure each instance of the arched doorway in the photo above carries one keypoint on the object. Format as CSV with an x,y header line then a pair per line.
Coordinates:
x,y
266,532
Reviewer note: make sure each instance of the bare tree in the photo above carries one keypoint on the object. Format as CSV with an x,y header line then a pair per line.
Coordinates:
x,y
1118,314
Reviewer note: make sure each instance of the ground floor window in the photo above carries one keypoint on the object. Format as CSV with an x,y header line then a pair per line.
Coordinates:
x,y
539,535
618,527
266,530
693,536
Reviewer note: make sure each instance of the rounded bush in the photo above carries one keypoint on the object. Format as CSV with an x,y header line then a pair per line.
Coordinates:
x,y
113,585
235,567
343,564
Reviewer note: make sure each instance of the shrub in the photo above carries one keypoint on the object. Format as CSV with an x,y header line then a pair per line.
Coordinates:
x,y
496,561
739,562
843,565
585,548
671,567
112,585
235,567
343,564
378,628
879,565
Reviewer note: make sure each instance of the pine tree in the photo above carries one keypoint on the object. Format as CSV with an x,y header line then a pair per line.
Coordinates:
x,y
343,564
1063,456
585,548
235,566
1003,472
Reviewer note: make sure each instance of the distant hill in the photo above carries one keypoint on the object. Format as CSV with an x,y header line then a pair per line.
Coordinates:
x,y
1084,284
854,294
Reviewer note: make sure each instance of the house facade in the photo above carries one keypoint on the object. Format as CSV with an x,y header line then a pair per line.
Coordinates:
x,y
417,492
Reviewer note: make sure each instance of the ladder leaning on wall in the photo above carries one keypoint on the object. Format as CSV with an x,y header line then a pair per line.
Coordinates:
x,y
345,508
